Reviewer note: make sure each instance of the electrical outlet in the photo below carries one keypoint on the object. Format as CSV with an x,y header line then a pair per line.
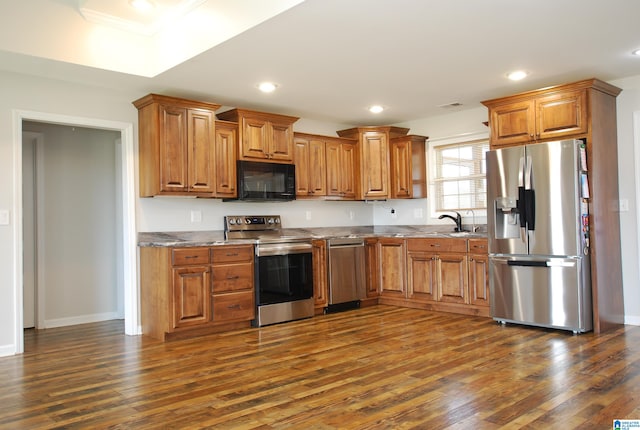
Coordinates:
x,y
624,205
417,213
196,216
308,215
351,215
4,217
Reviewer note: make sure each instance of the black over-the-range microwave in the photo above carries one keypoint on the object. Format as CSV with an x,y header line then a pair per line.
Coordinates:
x,y
258,181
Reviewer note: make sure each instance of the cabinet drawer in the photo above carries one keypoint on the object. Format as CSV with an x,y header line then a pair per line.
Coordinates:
x,y
478,246
437,245
232,277
233,306
189,256
230,254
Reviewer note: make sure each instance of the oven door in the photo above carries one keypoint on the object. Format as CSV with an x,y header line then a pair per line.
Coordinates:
x,y
284,273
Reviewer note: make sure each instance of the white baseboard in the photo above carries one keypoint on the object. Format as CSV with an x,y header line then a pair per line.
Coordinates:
x,y
632,320
6,350
82,319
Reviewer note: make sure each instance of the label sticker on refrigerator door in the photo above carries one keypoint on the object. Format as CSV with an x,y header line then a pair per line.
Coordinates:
x,y
584,182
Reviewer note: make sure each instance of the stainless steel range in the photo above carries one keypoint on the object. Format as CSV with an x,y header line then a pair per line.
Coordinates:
x,y
283,267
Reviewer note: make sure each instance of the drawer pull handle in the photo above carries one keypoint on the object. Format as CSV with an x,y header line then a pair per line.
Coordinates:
x,y
230,254
233,307
436,245
231,278
190,256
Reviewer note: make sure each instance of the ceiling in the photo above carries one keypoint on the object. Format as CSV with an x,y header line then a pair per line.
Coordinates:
x,y
331,59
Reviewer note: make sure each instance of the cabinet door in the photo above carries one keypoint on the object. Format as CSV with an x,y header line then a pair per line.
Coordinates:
x,y
375,165
173,149
191,296
319,273
479,279
201,147
392,267
311,167
348,170
340,168
301,153
453,287
317,168
422,273
512,123
372,267
561,114
255,135
225,156
280,141
401,179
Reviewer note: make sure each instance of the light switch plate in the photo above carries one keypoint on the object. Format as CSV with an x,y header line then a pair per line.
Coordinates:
x,y
624,205
4,217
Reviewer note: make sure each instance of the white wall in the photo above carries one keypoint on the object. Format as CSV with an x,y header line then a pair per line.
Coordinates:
x,y
78,231
628,103
24,93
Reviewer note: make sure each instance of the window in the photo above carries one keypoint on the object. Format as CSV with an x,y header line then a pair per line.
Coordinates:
x,y
459,180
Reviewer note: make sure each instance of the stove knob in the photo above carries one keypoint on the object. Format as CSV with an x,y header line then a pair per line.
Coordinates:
x,y
232,221
270,220
277,221
247,220
238,220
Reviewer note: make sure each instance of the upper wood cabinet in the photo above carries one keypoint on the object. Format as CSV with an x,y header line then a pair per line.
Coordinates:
x,y
176,146
409,167
341,155
311,165
262,136
546,114
373,180
225,159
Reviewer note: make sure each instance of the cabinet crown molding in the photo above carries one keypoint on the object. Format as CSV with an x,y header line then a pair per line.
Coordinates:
x,y
593,83
174,101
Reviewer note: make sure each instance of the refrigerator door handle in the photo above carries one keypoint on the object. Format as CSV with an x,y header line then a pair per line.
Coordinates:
x,y
529,196
521,203
527,263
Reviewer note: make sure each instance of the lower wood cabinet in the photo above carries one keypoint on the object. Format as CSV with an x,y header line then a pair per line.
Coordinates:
x,y
320,273
445,274
478,272
196,290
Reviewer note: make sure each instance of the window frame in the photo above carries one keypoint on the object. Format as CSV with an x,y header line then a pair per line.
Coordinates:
x,y
446,141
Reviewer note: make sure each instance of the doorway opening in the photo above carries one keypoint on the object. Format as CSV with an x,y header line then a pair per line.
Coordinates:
x,y
126,231
71,216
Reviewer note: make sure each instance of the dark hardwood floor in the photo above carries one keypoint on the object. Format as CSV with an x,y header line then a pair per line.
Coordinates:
x,y
373,368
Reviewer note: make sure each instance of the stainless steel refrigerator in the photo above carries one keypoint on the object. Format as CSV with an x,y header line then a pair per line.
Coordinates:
x,y
538,228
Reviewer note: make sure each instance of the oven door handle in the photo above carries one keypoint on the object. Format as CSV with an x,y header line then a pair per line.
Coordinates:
x,y
266,250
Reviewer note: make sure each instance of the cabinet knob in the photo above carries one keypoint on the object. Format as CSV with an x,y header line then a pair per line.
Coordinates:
x,y
236,306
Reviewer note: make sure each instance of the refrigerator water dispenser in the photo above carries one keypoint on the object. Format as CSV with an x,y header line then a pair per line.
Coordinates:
x,y
507,218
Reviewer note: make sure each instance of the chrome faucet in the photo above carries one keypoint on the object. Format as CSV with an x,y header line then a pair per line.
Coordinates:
x,y
473,222
457,220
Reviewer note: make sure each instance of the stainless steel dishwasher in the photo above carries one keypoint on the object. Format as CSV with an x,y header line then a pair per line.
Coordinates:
x,y
346,273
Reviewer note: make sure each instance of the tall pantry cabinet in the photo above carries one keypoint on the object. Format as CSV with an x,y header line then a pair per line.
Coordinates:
x,y
580,110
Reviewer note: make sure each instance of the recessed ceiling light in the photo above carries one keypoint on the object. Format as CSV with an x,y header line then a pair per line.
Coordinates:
x,y
267,87
376,109
517,75
636,52
142,5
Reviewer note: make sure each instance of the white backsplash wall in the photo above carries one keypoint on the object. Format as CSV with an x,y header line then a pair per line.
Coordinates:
x,y
175,213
